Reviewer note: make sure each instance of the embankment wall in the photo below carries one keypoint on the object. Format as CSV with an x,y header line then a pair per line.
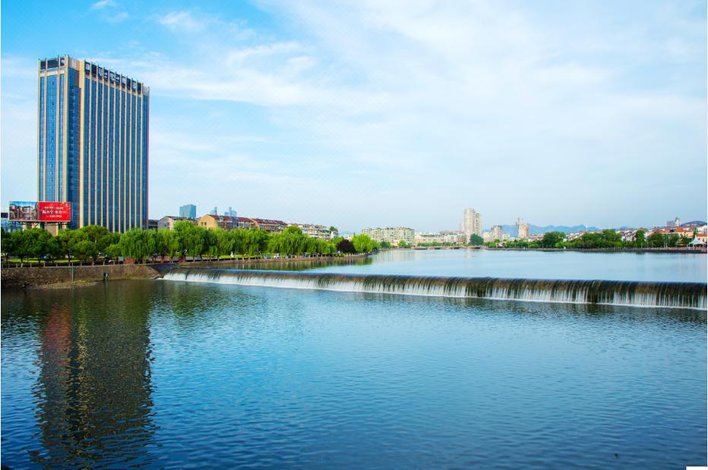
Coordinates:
x,y
32,277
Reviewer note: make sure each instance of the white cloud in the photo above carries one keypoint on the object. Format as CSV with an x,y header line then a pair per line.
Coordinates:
x,y
182,21
100,4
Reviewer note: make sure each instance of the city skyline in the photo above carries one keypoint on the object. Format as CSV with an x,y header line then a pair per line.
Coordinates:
x,y
557,113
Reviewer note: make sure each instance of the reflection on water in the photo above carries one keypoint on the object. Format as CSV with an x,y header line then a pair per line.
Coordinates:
x,y
93,393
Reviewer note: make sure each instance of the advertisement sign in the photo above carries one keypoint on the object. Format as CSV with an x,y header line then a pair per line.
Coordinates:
x,y
54,211
43,211
23,211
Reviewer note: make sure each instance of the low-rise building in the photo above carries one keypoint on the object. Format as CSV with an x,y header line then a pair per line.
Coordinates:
x,y
392,235
211,221
442,237
168,221
269,225
317,231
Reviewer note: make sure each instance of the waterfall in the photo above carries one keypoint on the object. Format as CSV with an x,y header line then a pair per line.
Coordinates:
x,y
689,295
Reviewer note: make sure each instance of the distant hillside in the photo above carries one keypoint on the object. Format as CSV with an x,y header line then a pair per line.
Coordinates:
x,y
694,222
540,230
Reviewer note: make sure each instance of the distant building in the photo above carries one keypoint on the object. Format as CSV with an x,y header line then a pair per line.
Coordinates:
x,y
317,231
152,224
9,225
168,221
392,235
471,224
269,225
522,231
212,221
231,212
188,211
439,237
674,223
92,143
497,233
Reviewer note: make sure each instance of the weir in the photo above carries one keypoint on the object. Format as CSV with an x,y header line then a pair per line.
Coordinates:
x,y
628,293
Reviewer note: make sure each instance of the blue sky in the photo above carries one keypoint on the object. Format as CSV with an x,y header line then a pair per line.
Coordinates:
x,y
388,113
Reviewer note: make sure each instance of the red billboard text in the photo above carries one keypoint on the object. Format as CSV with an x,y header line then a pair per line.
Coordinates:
x,y
54,211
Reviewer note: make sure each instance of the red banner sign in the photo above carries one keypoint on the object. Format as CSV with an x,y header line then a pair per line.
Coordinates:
x,y
54,211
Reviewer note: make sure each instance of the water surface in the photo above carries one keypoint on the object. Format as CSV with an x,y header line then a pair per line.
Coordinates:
x,y
534,264
167,374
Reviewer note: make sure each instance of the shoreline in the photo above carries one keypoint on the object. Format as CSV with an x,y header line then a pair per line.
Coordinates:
x,y
683,251
65,277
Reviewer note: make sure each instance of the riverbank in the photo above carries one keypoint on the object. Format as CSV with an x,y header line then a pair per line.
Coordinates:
x,y
75,276
610,250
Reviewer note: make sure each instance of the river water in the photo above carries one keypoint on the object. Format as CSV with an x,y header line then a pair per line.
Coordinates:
x,y
164,374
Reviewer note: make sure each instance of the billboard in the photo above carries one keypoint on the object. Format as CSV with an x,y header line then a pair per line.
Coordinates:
x,y
23,211
54,211
43,211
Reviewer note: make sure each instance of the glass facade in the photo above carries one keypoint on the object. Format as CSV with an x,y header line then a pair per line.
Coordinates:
x,y
93,143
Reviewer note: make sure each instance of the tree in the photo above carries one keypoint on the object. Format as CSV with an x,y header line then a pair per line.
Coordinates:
x,y
161,242
191,238
113,251
68,239
476,240
364,244
552,239
225,241
403,244
34,243
385,244
137,244
640,238
656,240
9,243
673,240
85,249
345,246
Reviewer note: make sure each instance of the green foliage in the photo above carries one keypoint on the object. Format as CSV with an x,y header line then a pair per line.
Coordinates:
x,y
187,239
657,240
33,243
344,246
137,244
85,250
673,240
595,240
8,242
476,240
552,239
403,244
385,245
364,244
113,251
192,238
640,239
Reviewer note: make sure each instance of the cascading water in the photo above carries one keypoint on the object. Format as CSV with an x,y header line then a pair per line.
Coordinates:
x,y
629,293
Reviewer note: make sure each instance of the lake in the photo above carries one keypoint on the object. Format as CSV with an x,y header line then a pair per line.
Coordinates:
x,y
165,374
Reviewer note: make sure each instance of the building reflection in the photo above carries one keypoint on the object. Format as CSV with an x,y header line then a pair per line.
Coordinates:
x,y
94,390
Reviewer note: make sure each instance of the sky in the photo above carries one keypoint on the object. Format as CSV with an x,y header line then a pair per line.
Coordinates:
x,y
391,113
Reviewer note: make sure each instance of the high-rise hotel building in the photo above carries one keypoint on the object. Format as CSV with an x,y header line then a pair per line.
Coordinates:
x,y
93,143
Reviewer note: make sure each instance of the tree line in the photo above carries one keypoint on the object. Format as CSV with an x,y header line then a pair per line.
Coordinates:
x,y
94,243
598,240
